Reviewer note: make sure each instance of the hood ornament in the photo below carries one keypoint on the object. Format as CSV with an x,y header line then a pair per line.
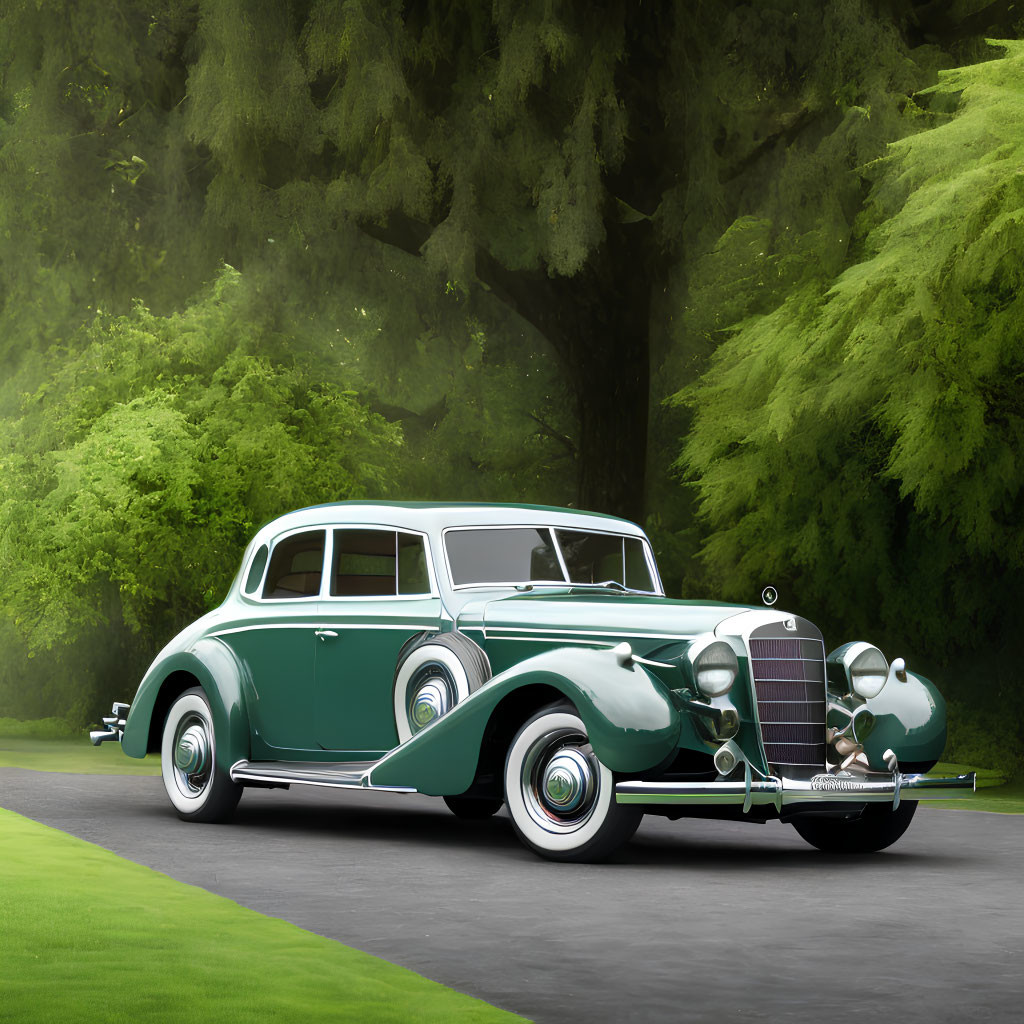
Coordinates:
x,y
769,595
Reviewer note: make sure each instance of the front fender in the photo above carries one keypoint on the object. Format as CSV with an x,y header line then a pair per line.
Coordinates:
x,y
631,722
910,719
212,663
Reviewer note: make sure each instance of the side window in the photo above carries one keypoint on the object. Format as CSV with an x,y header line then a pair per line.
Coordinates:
x,y
296,566
638,575
378,563
259,563
413,577
364,563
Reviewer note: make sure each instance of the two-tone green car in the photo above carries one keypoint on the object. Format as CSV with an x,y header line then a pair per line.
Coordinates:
x,y
527,656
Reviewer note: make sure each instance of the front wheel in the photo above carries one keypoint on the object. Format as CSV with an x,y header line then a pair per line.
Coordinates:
x,y
560,797
195,785
878,826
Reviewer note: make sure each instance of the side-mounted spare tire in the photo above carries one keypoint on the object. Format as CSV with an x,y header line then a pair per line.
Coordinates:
x,y
435,671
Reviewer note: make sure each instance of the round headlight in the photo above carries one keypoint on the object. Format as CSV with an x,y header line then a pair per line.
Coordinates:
x,y
714,666
868,672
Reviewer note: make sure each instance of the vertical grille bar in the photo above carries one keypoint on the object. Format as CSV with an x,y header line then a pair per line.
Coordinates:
x,y
788,670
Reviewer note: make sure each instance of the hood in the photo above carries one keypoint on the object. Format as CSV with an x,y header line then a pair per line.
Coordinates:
x,y
595,612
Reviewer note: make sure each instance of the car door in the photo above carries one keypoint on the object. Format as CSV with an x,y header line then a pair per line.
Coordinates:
x,y
380,593
278,645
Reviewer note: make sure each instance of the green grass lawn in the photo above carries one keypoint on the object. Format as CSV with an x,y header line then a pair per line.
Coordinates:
x,y
87,936
73,755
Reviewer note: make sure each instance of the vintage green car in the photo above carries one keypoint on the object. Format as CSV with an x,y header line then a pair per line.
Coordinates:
x,y
527,656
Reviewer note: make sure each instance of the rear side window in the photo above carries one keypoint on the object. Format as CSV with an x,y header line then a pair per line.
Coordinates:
x,y
413,576
378,563
296,566
259,563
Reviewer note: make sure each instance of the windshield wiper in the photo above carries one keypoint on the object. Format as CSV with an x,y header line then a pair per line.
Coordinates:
x,y
607,584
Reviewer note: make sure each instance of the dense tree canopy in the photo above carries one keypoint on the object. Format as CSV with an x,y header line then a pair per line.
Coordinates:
x,y
746,272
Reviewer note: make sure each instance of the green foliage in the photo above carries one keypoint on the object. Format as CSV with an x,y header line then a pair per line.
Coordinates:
x,y
140,467
38,729
505,230
857,440
987,736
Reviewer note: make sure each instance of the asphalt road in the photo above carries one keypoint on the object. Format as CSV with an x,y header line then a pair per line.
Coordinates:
x,y
695,921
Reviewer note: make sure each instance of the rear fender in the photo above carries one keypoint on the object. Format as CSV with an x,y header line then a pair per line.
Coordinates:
x,y
215,668
631,722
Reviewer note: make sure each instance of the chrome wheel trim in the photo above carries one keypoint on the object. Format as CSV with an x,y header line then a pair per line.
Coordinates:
x,y
559,780
432,693
192,746
188,737
435,673
541,751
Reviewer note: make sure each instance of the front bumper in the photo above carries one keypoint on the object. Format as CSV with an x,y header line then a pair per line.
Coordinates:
x,y
831,788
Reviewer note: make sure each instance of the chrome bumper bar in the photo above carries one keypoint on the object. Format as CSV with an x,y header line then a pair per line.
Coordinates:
x,y
829,788
114,722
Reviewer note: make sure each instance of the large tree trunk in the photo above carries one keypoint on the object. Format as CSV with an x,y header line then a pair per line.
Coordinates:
x,y
609,367
598,323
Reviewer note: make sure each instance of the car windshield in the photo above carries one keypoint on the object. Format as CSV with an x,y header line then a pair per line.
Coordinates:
x,y
541,555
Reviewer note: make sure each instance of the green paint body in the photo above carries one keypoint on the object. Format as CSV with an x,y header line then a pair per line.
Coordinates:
x,y
312,679
910,719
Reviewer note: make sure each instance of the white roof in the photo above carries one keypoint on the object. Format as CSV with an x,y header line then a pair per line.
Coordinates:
x,y
432,518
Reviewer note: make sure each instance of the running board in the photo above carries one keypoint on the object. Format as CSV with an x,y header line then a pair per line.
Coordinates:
x,y
340,775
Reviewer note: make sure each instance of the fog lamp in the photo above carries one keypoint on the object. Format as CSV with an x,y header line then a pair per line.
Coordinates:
x,y
725,761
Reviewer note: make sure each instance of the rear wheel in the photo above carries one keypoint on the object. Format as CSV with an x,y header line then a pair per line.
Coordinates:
x,y
878,827
195,785
560,797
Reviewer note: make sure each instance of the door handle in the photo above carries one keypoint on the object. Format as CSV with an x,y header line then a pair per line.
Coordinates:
x,y
324,633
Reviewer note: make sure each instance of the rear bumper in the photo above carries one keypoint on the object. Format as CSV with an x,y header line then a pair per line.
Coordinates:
x,y
825,788
114,725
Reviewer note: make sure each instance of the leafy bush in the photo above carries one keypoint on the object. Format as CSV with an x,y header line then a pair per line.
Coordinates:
x,y
39,729
140,468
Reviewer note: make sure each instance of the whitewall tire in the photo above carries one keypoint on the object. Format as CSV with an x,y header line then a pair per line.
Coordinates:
x,y
196,787
560,797
435,672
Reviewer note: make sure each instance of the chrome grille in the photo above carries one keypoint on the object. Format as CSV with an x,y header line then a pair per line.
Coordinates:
x,y
789,682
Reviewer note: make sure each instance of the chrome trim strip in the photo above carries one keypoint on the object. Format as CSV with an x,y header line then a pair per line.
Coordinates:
x,y
557,640
824,788
413,626
580,632
307,773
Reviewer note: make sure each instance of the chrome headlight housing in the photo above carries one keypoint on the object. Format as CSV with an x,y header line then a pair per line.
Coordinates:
x,y
713,664
863,666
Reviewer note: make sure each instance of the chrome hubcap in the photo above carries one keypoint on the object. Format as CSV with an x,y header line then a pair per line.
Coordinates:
x,y
192,752
431,702
567,781
193,755
560,781
433,695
